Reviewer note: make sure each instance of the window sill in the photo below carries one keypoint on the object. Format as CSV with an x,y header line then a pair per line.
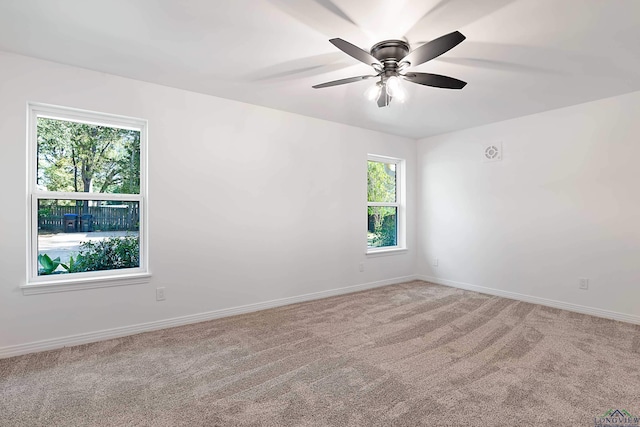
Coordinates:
x,y
85,283
385,252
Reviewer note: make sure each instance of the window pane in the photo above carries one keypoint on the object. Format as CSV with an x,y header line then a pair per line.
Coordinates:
x,y
75,236
381,180
79,157
383,226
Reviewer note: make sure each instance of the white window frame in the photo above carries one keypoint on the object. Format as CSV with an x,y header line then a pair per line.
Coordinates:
x,y
36,284
399,204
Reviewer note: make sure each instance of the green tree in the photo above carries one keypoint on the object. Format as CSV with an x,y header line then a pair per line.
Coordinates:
x,y
381,182
129,167
80,157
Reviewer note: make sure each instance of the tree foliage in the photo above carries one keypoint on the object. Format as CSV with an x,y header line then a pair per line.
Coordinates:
x,y
381,182
80,157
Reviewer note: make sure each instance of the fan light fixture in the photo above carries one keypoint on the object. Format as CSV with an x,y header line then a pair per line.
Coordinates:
x,y
373,93
391,87
395,89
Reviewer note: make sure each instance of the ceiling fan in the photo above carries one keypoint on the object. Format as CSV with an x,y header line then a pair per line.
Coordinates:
x,y
391,58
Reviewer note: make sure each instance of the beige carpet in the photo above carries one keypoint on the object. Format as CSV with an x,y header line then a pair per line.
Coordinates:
x,y
404,355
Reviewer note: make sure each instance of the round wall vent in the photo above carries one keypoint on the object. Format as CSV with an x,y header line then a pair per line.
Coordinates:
x,y
492,152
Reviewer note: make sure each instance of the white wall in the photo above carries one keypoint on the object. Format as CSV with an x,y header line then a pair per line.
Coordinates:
x,y
247,204
563,203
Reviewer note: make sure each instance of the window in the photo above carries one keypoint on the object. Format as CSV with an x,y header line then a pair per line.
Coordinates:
x,y
87,189
385,210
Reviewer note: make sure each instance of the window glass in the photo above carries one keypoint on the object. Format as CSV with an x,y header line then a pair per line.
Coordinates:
x,y
382,202
383,226
381,182
76,236
80,157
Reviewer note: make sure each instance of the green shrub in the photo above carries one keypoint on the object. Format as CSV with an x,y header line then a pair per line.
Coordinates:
x,y
108,254
382,227
388,232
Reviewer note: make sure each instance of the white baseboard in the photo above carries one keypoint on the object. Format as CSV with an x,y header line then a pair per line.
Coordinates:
x,y
598,312
54,343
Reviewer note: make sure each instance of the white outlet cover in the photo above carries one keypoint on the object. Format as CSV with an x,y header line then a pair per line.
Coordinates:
x,y
583,283
492,152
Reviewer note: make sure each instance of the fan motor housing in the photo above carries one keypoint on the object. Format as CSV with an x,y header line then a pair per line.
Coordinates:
x,y
390,50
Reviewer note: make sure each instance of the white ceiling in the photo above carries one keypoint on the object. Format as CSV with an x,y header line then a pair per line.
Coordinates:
x,y
520,56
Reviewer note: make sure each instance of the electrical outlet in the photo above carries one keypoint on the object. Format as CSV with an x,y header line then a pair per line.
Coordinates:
x,y
435,262
583,283
361,267
160,294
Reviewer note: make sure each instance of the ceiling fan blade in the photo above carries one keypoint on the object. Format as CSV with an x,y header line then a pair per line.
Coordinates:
x,y
435,80
342,81
335,9
434,48
355,52
384,99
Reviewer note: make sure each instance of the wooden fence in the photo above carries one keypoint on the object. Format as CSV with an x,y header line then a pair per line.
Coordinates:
x,y
92,218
